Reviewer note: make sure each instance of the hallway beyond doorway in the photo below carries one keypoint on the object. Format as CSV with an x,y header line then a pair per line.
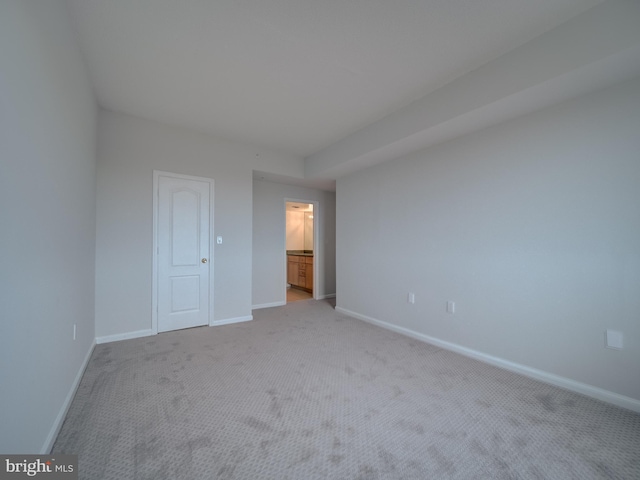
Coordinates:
x,y
295,294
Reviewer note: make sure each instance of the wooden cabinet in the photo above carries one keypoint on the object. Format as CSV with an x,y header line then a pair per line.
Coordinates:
x,y
300,271
309,273
292,270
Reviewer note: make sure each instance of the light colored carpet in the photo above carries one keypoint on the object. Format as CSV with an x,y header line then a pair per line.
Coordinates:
x,y
303,392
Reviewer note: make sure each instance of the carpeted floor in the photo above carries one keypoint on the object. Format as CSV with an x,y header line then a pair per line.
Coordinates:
x,y
302,392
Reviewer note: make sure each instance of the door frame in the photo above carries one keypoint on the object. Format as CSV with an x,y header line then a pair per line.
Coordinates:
x,y
316,211
154,276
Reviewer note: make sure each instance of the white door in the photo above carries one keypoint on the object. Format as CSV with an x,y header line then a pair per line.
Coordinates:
x,y
183,256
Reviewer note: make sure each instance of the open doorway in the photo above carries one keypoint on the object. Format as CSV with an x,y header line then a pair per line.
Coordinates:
x,y
300,243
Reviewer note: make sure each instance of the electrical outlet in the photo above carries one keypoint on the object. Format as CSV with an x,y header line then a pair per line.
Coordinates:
x,y
613,339
411,297
451,307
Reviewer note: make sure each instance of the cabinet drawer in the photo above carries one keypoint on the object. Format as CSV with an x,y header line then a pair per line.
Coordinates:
x,y
308,260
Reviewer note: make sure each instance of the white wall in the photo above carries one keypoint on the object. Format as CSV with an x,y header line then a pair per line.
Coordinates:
x,y
307,220
299,230
532,227
295,231
269,259
47,218
129,149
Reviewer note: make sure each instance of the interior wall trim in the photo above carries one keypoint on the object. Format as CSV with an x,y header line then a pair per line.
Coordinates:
x,y
546,377
328,295
57,423
228,321
268,305
124,336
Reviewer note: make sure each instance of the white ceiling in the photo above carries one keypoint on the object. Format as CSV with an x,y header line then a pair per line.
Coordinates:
x,y
296,76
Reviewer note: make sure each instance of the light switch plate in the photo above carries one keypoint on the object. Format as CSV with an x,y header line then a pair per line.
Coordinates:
x,y
613,339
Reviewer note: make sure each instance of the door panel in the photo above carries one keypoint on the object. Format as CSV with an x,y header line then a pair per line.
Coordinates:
x,y
183,253
185,293
185,228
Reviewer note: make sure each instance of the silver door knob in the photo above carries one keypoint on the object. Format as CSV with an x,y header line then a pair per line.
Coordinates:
x,y
204,260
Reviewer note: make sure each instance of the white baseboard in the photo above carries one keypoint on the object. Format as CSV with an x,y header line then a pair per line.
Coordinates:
x,y
228,321
147,333
280,304
124,336
268,305
57,424
562,382
328,295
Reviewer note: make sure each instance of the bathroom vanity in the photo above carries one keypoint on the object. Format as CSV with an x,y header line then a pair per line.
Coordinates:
x,y
300,269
